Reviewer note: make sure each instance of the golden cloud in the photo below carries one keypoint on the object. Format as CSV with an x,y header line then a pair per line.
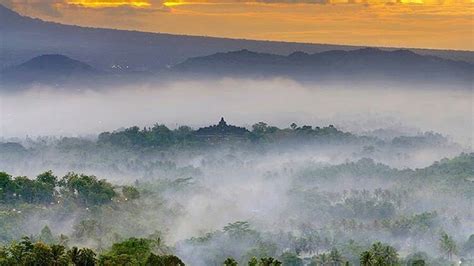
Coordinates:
x,y
109,3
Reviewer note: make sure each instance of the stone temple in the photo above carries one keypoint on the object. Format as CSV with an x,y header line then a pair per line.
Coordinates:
x,y
221,130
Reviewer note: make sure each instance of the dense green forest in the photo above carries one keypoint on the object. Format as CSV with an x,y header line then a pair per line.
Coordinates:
x,y
227,195
135,251
129,224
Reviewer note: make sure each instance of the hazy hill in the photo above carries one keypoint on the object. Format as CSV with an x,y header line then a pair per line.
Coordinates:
x,y
48,69
24,38
398,65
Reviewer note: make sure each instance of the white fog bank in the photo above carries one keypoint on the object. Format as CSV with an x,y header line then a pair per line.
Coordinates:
x,y
67,112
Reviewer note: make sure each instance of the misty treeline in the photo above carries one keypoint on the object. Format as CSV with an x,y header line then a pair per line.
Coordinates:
x,y
160,136
141,251
224,194
407,216
141,151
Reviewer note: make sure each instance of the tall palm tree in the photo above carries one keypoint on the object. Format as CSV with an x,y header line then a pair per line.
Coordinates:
x,y
57,255
87,257
335,257
367,258
447,245
73,255
322,259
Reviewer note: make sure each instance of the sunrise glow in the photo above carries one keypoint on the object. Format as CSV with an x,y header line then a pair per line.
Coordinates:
x,y
108,3
446,24
174,3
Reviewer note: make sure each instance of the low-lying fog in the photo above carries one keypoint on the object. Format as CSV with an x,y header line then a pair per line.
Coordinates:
x,y
329,194
44,111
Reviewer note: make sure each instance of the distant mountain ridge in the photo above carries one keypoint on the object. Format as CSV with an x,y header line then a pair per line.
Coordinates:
x,y
59,64
362,63
119,50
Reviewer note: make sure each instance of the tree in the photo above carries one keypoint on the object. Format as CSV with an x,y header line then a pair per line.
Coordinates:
x,y
42,254
447,245
130,192
135,249
269,261
418,263
320,260
230,262
7,187
58,255
63,240
291,259
379,254
4,256
46,235
21,253
417,259
87,229
88,190
238,229
73,255
335,257
48,178
367,258
253,261
164,260
87,257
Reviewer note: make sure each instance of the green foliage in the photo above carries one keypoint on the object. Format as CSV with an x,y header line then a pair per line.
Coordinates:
x,y
230,262
160,136
447,245
48,178
291,259
87,257
130,252
46,189
135,250
88,190
321,218
46,235
378,255
83,256
22,189
58,255
332,258
130,192
42,254
253,261
87,229
266,261
163,260
238,229
269,261
157,136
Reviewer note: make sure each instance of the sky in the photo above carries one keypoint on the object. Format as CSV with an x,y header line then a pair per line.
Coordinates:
x,y
440,24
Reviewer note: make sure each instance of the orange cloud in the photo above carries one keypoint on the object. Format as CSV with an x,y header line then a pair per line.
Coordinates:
x,y
109,3
172,3
403,23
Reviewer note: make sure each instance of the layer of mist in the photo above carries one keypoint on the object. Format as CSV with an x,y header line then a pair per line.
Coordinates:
x,y
72,112
360,164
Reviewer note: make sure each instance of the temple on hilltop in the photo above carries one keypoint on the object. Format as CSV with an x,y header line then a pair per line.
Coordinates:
x,y
221,130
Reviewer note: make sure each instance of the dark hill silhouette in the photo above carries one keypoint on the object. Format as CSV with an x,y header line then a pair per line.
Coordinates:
x,y
58,64
119,50
48,69
337,64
